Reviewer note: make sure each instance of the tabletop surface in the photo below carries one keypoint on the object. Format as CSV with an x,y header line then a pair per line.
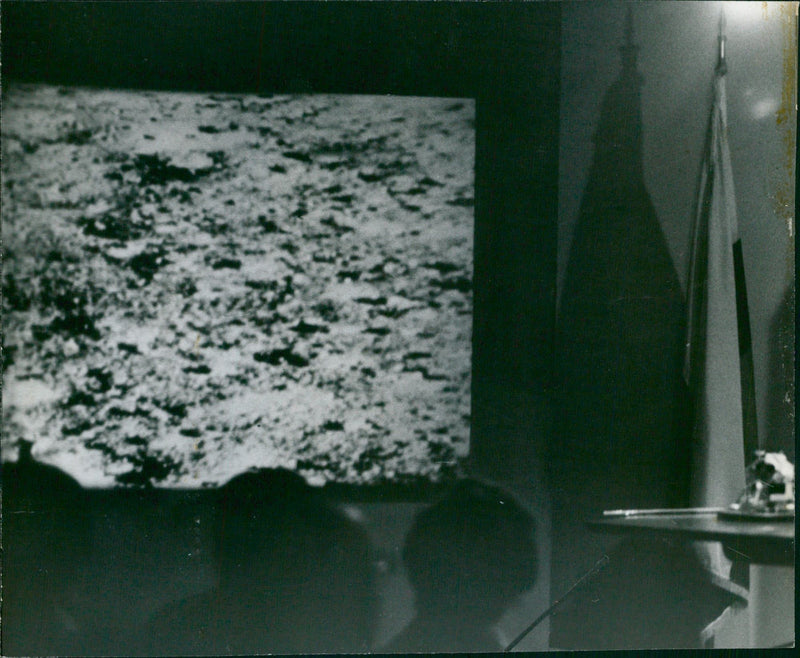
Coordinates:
x,y
700,526
764,542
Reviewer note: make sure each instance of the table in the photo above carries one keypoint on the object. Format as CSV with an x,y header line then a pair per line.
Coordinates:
x,y
767,545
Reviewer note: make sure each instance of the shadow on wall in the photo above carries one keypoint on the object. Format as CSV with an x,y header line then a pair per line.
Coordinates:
x,y
621,412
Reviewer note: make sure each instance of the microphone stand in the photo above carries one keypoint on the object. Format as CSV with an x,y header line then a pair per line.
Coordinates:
x,y
599,565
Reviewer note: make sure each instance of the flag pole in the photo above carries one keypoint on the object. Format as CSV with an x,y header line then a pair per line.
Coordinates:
x,y
722,65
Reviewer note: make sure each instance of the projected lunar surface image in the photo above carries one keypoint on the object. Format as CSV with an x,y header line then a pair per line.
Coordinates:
x,y
197,284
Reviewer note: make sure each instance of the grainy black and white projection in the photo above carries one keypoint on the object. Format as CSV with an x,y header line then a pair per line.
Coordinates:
x,y
198,284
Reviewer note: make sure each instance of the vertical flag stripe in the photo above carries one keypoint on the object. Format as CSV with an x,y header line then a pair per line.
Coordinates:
x,y
749,417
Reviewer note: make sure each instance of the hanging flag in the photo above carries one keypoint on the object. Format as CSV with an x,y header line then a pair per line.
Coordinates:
x,y
718,363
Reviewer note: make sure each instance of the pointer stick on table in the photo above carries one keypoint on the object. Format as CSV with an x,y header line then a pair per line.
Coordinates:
x,y
661,511
595,569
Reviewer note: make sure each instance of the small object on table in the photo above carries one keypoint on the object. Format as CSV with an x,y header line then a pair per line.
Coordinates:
x,y
769,490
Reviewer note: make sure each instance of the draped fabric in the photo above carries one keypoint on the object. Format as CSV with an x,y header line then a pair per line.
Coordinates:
x,y
718,361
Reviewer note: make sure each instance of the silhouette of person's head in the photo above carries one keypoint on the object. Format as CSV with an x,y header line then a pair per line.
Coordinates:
x,y
257,510
469,556
46,539
295,573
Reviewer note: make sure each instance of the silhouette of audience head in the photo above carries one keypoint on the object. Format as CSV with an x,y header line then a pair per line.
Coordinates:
x,y
257,511
468,557
295,573
46,540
